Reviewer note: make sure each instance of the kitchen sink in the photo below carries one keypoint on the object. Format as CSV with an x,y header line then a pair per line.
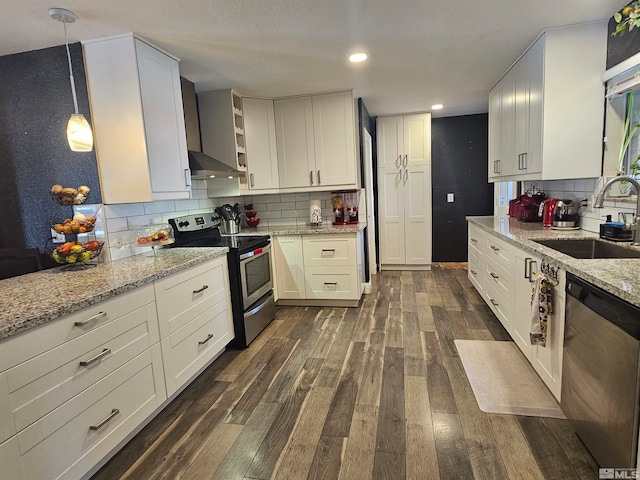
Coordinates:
x,y
589,248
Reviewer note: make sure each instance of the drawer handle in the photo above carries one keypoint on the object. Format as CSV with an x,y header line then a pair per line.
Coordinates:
x,y
200,290
330,283
102,354
328,249
113,413
493,302
209,337
97,316
319,181
494,275
474,240
473,272
494,248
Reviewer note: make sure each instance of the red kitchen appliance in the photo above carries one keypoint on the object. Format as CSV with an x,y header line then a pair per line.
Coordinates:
x,y
526,207
548,210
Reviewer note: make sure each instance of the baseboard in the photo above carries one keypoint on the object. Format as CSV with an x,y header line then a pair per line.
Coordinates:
x,y
366,288
405,267
318,303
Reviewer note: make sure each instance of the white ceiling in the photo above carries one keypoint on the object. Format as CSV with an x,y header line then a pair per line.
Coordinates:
x,y
421,51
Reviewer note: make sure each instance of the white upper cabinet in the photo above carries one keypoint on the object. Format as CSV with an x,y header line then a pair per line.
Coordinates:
x,y
138,120
316,141
546,114
260,133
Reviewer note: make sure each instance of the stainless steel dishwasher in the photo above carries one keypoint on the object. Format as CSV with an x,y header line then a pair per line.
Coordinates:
x,y
600,379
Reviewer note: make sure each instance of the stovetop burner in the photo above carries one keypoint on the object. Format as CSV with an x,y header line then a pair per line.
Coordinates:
x,y
202,231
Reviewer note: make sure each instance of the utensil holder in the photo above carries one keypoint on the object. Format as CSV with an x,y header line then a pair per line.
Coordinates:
x,y
229,227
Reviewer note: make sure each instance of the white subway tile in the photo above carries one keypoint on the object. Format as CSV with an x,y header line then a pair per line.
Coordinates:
x,y
259,207
281,206
116,224
140,220
287,197
123,210
160,207
302,204
116,253
209,203
199,194
279,222
267,198
590,224
270,214
186,204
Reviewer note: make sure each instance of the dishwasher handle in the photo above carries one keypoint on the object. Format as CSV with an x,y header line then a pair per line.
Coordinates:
x,y
608,306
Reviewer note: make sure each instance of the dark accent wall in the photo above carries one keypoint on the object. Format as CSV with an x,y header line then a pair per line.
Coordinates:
x,y
459,158
35,105
622,46
368,123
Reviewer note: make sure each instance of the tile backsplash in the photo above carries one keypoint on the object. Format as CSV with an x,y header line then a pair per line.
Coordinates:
x,y
588,188
122,222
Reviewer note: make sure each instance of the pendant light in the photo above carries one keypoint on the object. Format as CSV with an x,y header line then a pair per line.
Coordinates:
x,y
79,133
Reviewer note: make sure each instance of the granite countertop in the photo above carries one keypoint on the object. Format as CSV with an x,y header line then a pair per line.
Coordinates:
x,y
34,299
618,276
292,229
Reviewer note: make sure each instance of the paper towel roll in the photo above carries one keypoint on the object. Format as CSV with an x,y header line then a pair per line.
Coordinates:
x,y
315,212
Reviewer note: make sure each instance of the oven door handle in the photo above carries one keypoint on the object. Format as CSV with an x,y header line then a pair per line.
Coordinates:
x,y
265,249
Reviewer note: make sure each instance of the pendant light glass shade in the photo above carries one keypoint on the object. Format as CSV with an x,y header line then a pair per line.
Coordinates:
x,y
79,134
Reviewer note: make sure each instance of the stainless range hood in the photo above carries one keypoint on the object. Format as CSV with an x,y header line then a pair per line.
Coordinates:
x,y
202,165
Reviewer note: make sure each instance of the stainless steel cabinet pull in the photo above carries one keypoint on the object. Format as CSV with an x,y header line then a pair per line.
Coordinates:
x,y
97,316
494,248
209,337
531,272
519,161
328,249
251,179
103,353
527,268
399,161
524,161
473,272
200,290
311,177
330,283
319,182
474,240
494,275
113,413
406,175
493,302
406,161
187,177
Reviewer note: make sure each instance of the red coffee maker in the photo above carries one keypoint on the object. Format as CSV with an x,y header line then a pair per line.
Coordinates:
x,y
548,210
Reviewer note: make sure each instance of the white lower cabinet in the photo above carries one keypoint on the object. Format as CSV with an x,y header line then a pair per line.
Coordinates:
x,y
75,388
194,313
505,286
318,267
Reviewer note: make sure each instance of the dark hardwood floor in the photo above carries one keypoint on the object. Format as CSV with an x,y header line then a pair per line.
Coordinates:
x,y
376,392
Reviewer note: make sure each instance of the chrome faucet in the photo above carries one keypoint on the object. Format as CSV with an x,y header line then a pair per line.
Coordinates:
x,y
627,226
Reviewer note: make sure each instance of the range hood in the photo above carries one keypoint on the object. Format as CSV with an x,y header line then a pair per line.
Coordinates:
x,y
202,165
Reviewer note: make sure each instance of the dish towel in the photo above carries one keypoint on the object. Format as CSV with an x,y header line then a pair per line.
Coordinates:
x,y
541,309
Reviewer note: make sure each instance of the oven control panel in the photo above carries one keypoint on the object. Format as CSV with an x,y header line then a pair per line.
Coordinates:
x,y
193,223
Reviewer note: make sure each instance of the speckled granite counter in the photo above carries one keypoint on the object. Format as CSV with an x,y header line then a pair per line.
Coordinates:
x,y
620,277
304,229
34,299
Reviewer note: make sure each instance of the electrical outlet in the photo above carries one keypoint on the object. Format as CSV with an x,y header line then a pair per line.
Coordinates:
x,y
57,237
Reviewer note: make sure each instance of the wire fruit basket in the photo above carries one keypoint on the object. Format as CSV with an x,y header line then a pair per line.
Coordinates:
x,y
76,254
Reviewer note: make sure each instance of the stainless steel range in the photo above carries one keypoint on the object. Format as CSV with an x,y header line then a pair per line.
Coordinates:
x,y
250,280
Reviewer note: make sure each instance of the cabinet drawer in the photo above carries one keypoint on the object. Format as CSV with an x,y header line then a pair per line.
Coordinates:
x,y
186,295
10,459
63,444
501,307
476,239
476,272
332,283
329,250
43,383
499,251
33,342
7,425
195,344
498,276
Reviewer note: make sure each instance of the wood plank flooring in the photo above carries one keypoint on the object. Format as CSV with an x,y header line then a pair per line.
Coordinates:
x,y
376,392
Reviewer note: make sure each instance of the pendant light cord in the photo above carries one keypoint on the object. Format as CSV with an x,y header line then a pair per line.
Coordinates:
x,y
73,83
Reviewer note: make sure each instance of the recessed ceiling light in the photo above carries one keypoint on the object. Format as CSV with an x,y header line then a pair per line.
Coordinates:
x,y
437,106
357,57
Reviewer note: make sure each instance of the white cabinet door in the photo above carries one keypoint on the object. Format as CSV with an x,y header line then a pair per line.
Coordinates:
x,y
391,216
164,122
526,266
295,141
508,164
390,142
138,120
334,131
260,135
417,211
289,266
417,140
495,124
534,65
